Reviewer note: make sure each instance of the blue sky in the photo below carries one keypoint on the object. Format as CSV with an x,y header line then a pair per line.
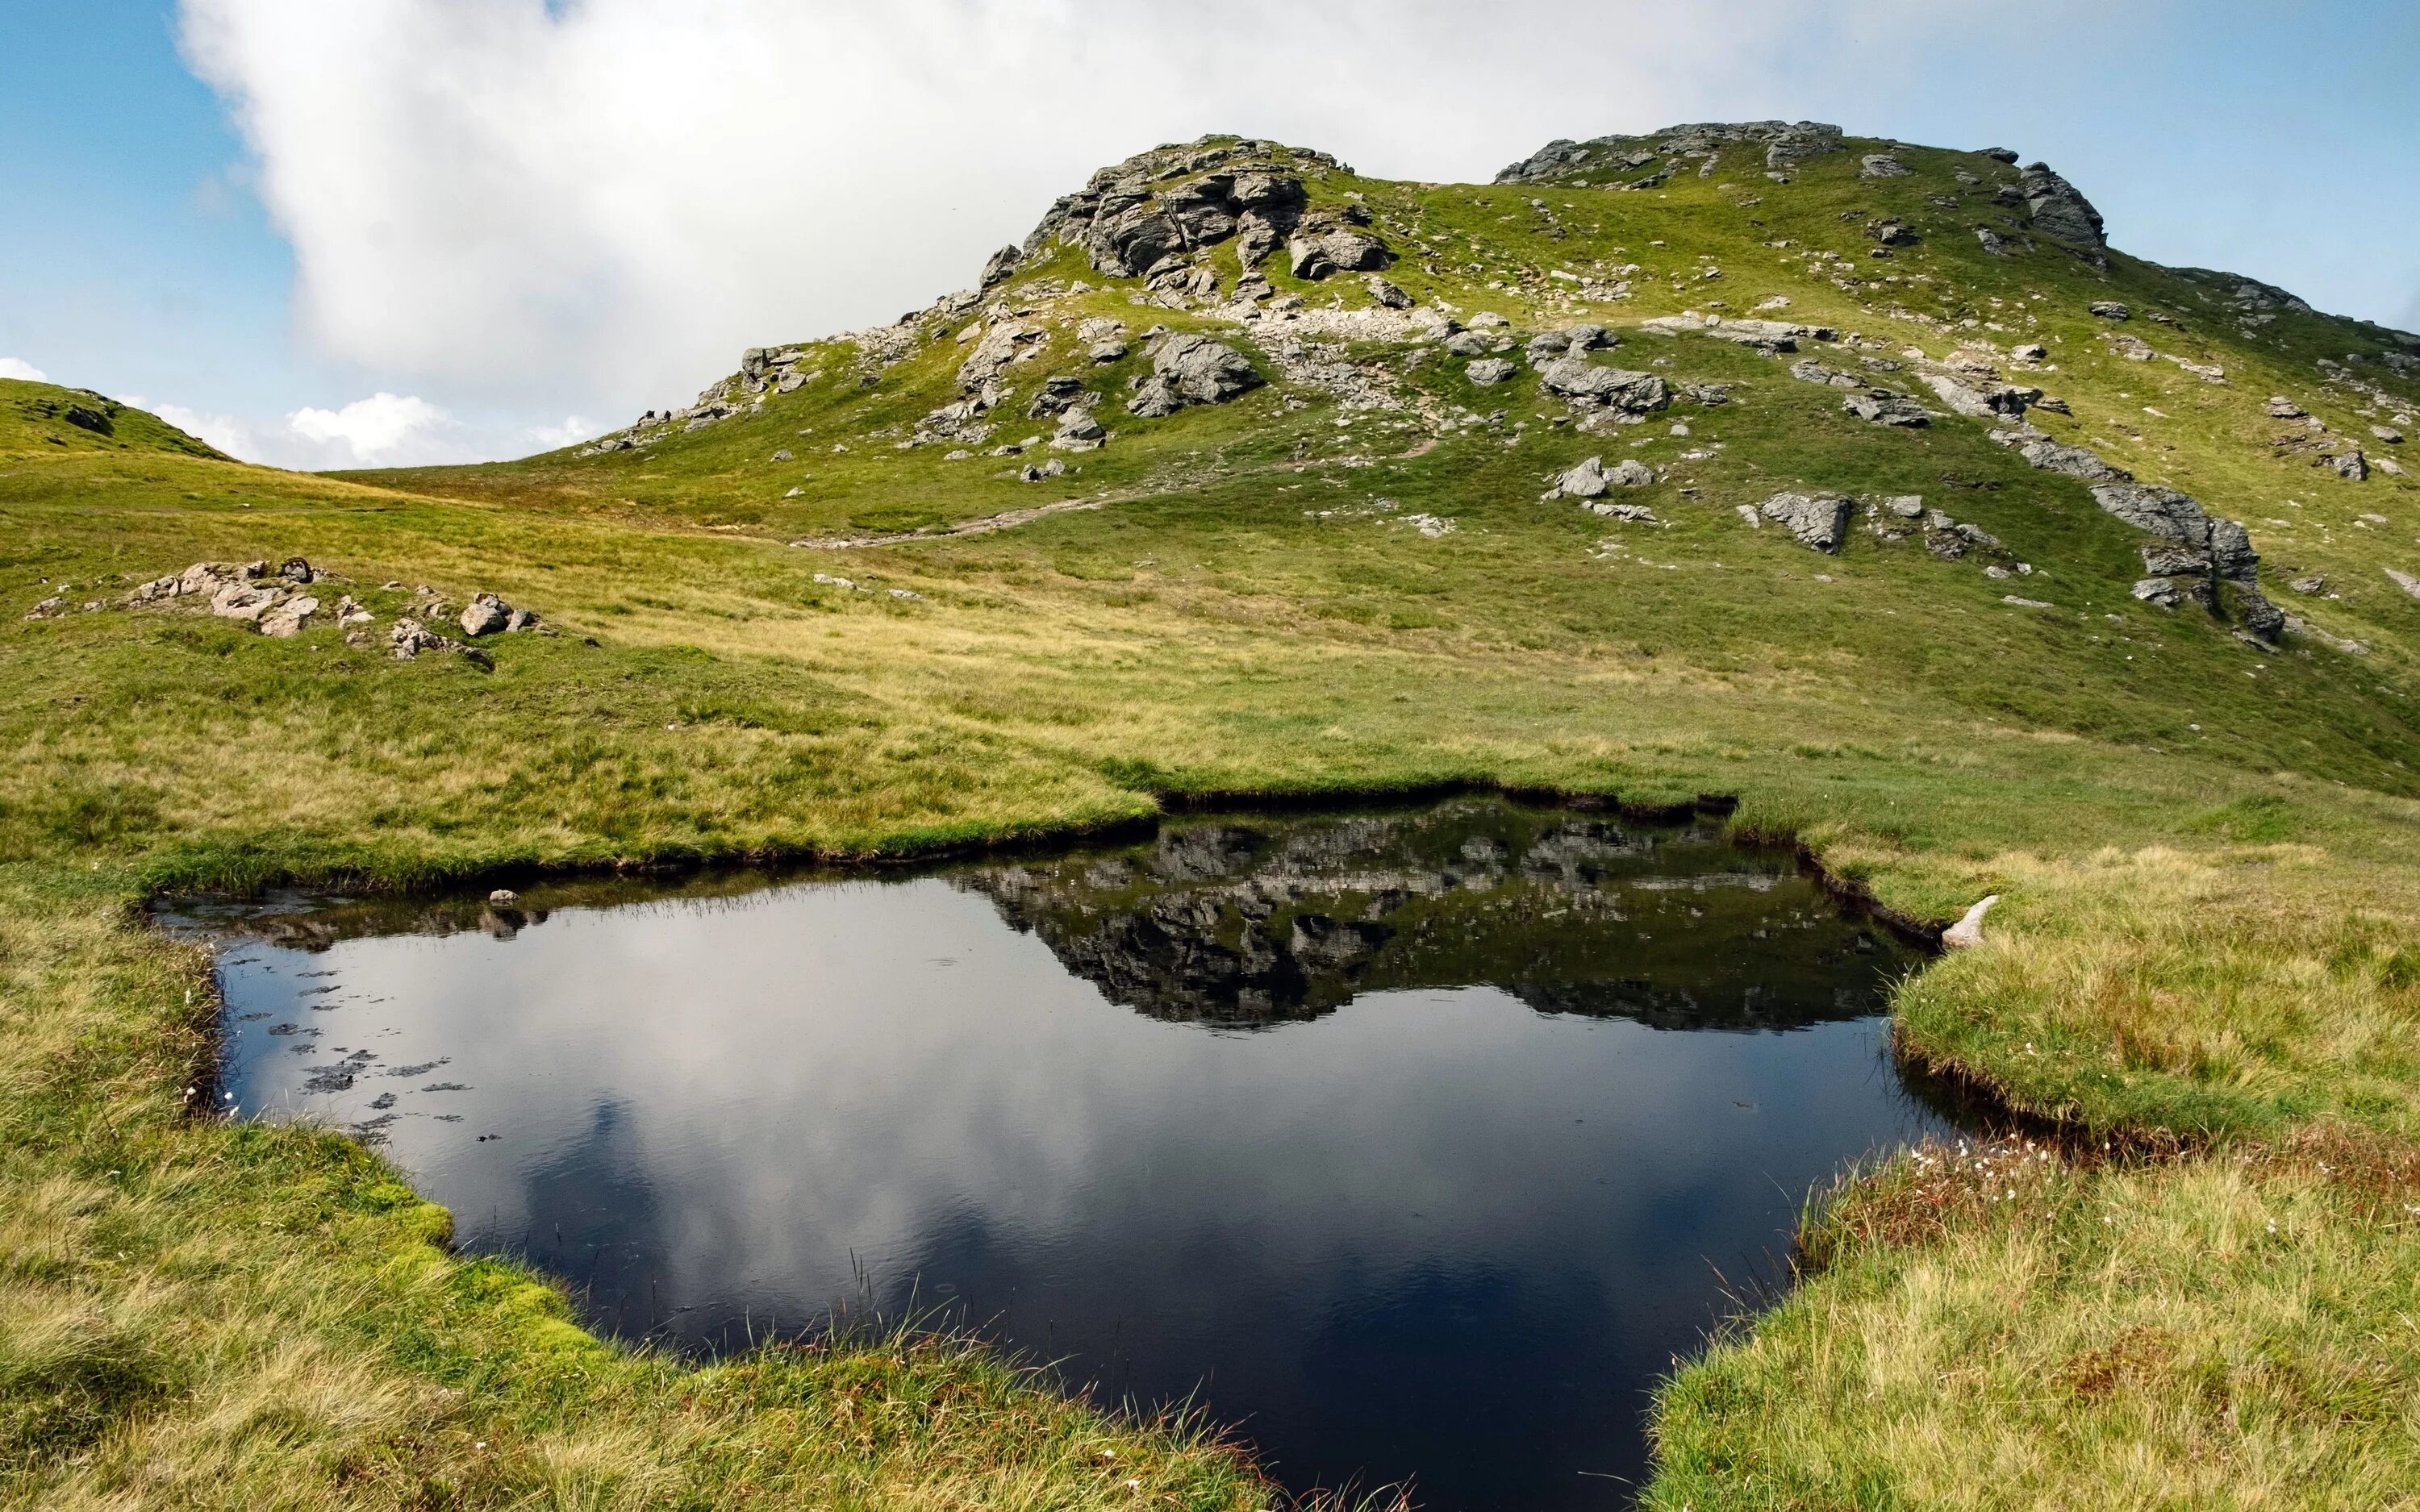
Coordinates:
x,y
131,251
401,230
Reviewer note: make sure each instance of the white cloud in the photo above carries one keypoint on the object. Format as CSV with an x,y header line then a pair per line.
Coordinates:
x,y
384,430
17,367
598,205
574,428
225,432
374,430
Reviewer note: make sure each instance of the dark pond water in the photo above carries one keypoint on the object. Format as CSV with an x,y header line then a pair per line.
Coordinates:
x,y
1416,1143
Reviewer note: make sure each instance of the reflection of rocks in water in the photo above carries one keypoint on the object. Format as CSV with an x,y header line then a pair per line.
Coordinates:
x,y
1324,943
303,921
1755,1006
1573,914
1289,917
502,923
1203,853
1580,855
1180,954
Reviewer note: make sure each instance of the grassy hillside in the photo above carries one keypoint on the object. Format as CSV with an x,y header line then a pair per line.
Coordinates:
x,y
2202,980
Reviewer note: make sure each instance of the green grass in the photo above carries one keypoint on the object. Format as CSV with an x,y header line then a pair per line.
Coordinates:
x,y
1997,1327
2205,956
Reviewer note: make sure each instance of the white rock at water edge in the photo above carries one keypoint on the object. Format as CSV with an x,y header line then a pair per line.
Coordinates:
x,y
1968,932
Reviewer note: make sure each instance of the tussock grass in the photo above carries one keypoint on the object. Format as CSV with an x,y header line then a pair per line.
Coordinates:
x,y
2202,996
2000,1326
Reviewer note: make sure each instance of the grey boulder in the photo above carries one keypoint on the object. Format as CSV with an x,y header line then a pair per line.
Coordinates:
x,y
1881,406
1192,369
1807,370
1619,388
1342,250
1586,481
1079,432
487,615
2062,214
287,619
242,601
2057,456
1202,370
2179,517
1818,520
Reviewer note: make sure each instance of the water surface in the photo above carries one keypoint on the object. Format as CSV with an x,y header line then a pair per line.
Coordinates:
x,y
1416,1143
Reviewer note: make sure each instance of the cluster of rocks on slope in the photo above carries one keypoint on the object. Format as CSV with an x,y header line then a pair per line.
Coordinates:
x,y
2303,434
2195,552
277,601
1771,337
1820,521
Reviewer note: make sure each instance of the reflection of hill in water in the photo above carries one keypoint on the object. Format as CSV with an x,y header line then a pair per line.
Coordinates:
x,y
1266,920
1280,917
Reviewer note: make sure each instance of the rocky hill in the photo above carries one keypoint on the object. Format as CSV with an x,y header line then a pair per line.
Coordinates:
x,y
1694,339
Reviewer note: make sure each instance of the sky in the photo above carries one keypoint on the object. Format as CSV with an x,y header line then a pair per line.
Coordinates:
x,y
392,232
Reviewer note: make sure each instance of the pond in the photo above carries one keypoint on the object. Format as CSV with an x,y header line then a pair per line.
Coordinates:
x,y
1416,1143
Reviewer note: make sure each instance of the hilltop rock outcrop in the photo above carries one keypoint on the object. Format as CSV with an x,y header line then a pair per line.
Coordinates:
x,y
1607,159
1145,218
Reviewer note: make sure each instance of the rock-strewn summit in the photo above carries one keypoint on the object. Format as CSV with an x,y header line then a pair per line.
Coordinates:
x,y
2052,207
1646,162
